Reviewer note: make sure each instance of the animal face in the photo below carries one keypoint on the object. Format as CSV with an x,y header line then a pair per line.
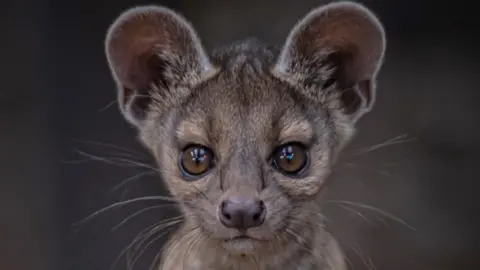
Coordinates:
x,y
245,137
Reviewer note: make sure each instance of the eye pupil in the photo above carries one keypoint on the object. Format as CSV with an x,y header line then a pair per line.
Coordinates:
x,y
290,158
196,160
287,153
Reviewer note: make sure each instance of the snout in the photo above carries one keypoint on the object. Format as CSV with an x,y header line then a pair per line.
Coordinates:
x,y
242,213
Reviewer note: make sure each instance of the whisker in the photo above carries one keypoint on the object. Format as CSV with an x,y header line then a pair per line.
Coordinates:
x,y
139,164
108,105
179,240
140,212
203,194
196,238
115,161
125,155
157,258
92,157
301,241
369,264
355,212
349,261
145,233
140,253
392,141
132,178
124,250
117,204
149,231
113,146
374,209
320,215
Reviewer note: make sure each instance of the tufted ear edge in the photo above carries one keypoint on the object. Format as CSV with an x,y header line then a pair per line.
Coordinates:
x,y
152,50
337,47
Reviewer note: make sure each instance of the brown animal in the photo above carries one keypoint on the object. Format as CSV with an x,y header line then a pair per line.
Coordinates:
x,y
245,137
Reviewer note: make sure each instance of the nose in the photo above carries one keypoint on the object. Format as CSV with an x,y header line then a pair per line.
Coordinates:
x,y
240,213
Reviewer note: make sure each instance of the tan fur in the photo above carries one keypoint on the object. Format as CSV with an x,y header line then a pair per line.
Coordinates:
x,y
242,102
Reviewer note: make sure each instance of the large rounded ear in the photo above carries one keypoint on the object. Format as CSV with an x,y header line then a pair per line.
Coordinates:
x,y
334,54
154,53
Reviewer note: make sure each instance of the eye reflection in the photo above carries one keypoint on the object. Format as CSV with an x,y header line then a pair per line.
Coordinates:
x,y
290,158
196,160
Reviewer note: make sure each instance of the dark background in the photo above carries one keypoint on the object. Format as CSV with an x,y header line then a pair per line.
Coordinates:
x,y
55,88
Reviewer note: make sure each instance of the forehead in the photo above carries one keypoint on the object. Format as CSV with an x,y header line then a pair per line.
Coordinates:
x,y
243,94
244,103
244,87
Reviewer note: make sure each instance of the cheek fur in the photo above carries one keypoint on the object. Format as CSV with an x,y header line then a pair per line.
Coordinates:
x,y
278,206
310,185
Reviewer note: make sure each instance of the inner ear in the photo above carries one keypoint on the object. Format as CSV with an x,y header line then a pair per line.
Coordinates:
x,y
135,103
335,50
354,94
154,52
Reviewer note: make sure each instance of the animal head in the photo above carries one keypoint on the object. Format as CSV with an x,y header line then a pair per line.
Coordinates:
x,y
245,137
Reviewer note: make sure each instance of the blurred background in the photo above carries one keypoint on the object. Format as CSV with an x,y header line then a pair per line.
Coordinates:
x,y
403,196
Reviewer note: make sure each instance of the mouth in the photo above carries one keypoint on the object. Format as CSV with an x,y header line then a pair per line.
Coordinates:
x,y
244,237
240,238
241,244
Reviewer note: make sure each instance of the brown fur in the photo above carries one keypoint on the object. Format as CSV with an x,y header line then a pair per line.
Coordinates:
x,y
242,102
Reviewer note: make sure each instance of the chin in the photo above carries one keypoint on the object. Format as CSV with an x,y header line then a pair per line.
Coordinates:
x,y
242,246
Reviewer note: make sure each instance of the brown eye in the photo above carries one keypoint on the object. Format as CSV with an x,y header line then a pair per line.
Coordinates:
x,y
196,160
290,158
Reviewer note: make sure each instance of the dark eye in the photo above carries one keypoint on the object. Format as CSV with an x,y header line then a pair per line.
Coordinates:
x,y
196,160
290,158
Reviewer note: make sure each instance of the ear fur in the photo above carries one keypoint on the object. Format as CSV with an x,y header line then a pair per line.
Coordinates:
x,y
336,49
153,52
